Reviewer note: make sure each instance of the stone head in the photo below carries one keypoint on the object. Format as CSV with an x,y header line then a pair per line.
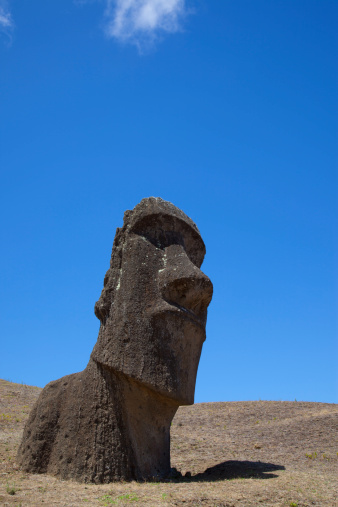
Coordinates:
x,y
153,306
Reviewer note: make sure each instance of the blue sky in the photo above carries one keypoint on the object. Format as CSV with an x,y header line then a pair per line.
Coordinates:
x,y
228,109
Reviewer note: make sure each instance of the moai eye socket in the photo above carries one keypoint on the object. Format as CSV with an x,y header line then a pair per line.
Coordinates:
x,y
164,231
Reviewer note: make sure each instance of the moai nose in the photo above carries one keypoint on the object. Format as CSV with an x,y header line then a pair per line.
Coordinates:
x,y
182,283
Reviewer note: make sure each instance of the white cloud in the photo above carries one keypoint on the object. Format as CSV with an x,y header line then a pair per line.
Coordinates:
x,y
5,17
142,21
6,21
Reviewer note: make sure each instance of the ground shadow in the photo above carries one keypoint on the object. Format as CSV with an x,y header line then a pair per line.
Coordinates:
x,y
236,470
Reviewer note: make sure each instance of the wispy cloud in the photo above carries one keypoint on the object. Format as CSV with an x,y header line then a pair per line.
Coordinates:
x,y
6,21
5,16
141,22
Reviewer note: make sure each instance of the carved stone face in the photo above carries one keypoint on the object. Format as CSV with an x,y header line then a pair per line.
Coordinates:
x,y
153,307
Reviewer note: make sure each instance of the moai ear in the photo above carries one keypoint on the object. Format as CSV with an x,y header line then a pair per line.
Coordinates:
x,y
102,305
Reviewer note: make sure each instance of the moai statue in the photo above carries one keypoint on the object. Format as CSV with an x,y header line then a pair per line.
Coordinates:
x,y
112,420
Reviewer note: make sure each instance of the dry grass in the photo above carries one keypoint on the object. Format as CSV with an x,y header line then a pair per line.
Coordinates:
x,y
238,454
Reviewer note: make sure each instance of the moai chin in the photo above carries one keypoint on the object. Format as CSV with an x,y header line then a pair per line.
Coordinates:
x,y
112,420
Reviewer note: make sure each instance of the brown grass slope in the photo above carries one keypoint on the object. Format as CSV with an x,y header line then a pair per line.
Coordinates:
x,y
238,454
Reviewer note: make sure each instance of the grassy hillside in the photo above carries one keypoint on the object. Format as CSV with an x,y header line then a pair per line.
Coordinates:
x,y
233,454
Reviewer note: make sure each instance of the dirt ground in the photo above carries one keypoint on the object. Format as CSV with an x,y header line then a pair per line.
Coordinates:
x,y
238,454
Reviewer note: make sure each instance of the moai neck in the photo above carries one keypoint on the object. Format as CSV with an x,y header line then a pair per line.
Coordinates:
x,y
147,420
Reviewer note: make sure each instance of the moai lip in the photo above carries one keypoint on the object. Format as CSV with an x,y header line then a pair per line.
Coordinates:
x,y
112,421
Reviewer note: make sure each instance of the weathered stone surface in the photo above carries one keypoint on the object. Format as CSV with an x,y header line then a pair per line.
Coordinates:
x,y
112,420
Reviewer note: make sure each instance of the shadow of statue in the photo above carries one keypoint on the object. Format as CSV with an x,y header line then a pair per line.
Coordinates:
x,y
235,470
